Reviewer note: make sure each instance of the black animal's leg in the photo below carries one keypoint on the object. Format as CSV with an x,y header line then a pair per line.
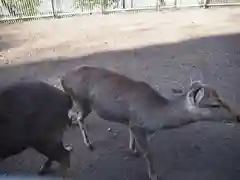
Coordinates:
x,y
55,151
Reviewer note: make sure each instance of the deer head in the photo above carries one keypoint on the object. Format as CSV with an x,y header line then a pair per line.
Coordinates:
x,y
204,103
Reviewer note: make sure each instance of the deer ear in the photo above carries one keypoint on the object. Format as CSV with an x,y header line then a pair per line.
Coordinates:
x,y
199,96
195,96
196,78
192,82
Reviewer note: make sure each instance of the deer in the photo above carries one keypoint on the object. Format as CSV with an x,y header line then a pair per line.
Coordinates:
x,y
34,114
118,98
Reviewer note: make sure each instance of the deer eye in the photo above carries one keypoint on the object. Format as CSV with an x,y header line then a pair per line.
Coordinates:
x,y
211,106
215,105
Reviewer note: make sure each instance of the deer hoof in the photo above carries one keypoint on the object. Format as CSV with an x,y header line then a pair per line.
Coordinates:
x,y
90,147
68,148
154,177
136,154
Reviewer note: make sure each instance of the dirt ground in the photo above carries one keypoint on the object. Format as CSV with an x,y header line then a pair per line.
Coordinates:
x,y
159,48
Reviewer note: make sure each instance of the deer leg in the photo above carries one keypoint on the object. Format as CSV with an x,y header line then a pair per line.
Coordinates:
x,y
141,138
85,111
132,143
80,121
73,113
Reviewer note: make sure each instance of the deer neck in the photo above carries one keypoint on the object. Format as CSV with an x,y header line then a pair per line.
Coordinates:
x,y
175,114
181,111
172,114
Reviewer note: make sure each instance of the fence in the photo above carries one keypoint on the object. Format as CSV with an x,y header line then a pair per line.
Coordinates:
x,y
25,9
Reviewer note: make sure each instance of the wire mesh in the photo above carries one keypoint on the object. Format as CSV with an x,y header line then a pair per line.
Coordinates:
x,y
19,9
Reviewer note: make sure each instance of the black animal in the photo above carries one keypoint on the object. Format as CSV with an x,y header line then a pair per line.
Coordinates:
x,y
34,114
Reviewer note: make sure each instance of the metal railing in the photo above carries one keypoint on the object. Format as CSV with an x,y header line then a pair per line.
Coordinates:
x,y
27,9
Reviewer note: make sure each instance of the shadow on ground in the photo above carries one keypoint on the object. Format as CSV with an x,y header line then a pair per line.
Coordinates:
x,y
8,38
4,44
200,151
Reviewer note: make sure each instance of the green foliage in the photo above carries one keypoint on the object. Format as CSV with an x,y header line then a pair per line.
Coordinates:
x,y
24,7
91,4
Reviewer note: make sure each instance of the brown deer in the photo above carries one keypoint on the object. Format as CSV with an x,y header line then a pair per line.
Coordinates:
x,y
117,98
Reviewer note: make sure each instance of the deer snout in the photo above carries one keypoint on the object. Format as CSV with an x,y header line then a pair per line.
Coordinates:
x,y
238,118
235,115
